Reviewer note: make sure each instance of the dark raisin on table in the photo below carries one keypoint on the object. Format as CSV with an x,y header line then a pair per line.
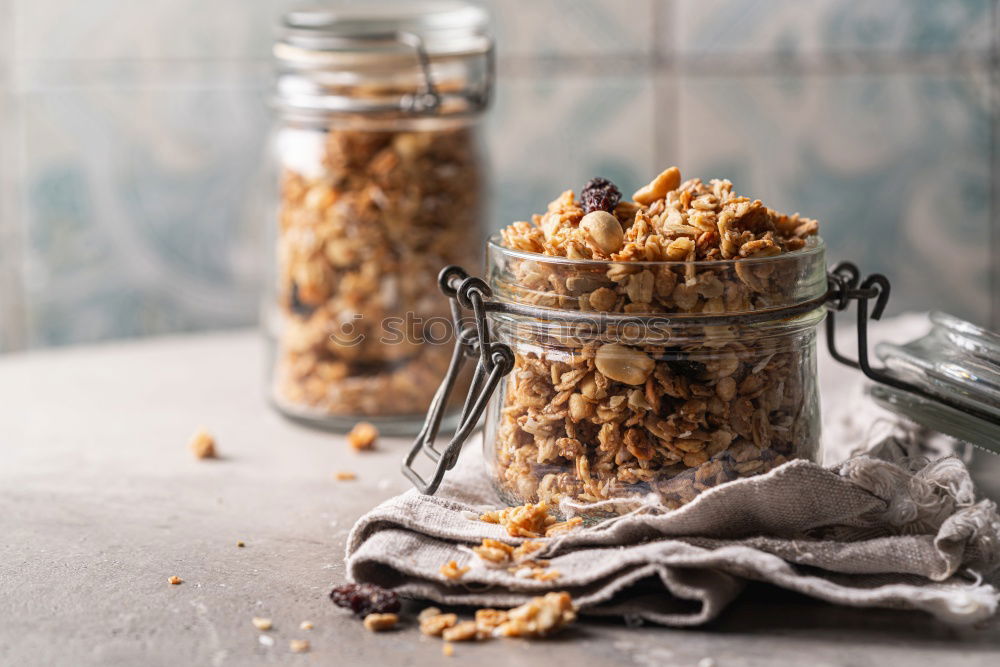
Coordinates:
x,y
364,599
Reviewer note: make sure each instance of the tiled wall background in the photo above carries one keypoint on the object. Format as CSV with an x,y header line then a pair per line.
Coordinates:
x,y
129,136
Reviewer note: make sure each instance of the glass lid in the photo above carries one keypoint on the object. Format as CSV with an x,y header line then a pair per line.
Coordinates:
x,y
957,361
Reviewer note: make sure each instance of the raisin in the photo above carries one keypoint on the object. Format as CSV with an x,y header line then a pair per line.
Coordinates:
x,y
600,194
364,599
296,305
687,367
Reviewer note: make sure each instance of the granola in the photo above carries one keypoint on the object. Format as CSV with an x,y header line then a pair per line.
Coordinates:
x,y
433,625
299,646
362,436
451,570
523,521
539,617
366,221
380,622
516,560
202,444
675,410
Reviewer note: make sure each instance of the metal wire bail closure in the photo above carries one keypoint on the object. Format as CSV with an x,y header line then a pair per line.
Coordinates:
x,y
495,360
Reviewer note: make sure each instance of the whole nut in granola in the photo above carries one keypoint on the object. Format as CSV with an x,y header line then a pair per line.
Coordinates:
x,y
605,230
666,181
623,364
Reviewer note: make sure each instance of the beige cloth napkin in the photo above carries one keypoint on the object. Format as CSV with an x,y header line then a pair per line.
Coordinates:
x,y
866,533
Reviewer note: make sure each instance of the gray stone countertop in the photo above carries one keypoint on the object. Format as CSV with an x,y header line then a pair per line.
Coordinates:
x,y
100,503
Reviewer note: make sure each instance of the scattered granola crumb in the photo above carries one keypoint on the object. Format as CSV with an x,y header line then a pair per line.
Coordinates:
x,y
488,620
241,544
266,640
539,617
306,625
299,646
461,632
202,444
563,526
448,649
427,612
433,626
344,476
380,622
493,552
261,623
175,580
523,521
362,436
451,570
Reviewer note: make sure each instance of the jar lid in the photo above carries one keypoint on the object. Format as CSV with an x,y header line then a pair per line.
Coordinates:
x,y
410,58
956,361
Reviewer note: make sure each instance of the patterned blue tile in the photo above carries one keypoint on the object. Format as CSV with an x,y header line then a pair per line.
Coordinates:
x,y
98,30
138,208
897,169
549,134
719,27
573,28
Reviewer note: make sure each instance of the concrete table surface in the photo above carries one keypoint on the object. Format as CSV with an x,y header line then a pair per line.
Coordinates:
x,y
100,502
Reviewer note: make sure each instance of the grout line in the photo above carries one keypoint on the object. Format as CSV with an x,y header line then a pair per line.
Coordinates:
x,y
994,143
12,324
749,65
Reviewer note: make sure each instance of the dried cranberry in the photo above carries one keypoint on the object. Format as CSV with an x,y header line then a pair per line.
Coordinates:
x,y
600,194
364,599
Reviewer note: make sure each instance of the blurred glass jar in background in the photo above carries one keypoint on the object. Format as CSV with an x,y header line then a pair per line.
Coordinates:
x,y
380,183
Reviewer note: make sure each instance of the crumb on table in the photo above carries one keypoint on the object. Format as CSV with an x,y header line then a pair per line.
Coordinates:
x,y
380,622
344,476
261,623
299,646
362,436
175,580
202,444
306,625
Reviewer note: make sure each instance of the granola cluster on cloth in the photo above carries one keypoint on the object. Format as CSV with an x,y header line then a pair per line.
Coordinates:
x,y
364,228
675,411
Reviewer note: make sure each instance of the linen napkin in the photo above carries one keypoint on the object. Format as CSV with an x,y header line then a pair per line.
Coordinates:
x,y
868,532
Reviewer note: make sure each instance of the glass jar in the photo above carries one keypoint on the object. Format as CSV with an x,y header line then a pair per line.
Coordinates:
x,y
379,176
714,382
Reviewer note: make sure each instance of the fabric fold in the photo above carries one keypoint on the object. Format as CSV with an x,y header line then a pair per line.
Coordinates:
x,y
866,533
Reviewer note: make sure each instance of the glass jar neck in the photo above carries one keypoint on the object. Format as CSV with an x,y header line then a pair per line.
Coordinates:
x,y
328,64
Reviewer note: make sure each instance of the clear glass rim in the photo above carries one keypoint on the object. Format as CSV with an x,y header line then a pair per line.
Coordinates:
x,y
814,246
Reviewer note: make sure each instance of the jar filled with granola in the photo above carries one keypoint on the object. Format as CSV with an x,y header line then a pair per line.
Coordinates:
x,y
379,175
664,345
647,349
